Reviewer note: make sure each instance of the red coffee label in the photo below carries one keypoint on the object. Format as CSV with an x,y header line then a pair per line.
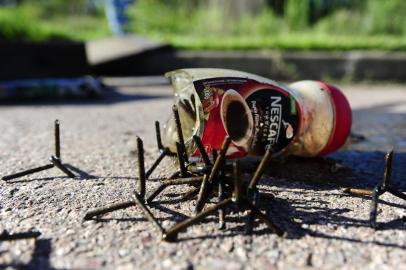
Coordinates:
x,y
253,114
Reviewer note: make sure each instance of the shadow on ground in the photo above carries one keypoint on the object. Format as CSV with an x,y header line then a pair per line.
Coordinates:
x,y
40,258
303,177
110,97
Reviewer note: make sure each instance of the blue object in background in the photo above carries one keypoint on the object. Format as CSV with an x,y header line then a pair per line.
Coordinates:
x,y
115,12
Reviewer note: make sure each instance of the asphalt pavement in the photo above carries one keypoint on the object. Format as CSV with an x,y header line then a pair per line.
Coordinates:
x,y
325,228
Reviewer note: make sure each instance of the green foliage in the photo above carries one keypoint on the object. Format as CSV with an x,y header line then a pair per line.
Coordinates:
x,y
343,25
33,22
297,14
55,8
161,19
386,17
292,41
341,22
17,24
198,24
374,17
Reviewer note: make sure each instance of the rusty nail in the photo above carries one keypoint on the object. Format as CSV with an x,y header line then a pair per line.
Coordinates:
x,y
260,170
57,139
57,162
179,131
156,163
182,167
202,151
27,172
172,233
107,209
141,168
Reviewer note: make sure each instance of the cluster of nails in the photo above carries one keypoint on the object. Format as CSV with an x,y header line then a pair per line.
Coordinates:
x,y
204,176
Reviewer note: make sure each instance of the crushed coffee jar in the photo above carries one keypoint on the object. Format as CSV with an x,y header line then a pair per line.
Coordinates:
x,y
306,118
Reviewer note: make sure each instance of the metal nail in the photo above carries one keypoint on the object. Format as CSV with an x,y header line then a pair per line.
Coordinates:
x,y
193,100
198,168
220,159
157,191
253,197
190,194
182,167
57,140
156,163
180,132
57,162
185,104
203,195
214,155
202,151
141,168
183,181
388,168
158,136
147,213
27,172
206,185
172,233
222,212
260,169
237,182
107,209
374,206
358,191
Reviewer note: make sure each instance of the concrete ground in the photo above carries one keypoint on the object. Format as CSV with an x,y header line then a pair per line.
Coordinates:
x,y
326,229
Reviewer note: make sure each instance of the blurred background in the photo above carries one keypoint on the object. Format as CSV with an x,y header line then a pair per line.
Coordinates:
x,y
363,40
214,24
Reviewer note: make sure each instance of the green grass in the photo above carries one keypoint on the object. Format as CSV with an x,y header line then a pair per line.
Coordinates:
x,y
368,25
372,26
19,24
31,22
292,41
